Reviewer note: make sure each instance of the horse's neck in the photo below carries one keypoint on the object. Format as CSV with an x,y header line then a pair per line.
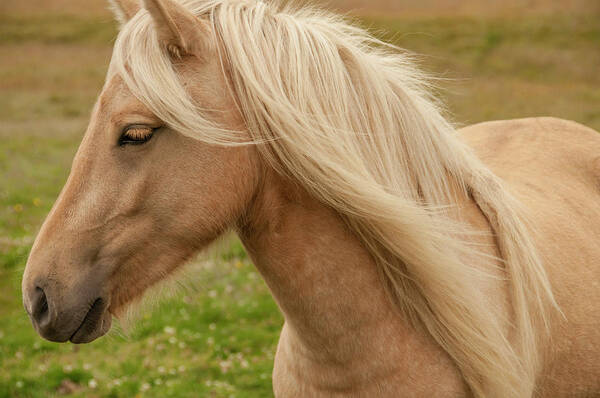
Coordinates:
x,y
330,291
322,278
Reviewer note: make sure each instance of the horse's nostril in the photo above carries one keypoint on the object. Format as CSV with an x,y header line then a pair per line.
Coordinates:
x,y
39,310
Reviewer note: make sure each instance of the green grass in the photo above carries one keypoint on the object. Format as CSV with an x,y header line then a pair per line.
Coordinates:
x,y
217,335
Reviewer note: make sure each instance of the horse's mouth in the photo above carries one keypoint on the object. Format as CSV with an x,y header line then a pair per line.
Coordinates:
x,y
96,323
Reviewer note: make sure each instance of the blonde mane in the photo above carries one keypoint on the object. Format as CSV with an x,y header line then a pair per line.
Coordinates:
x,y
353,121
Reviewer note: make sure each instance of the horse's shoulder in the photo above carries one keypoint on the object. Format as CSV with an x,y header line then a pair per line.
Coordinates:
x,y
553,167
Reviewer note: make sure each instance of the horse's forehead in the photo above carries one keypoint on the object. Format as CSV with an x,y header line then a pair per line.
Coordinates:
x,y
114,90
116,100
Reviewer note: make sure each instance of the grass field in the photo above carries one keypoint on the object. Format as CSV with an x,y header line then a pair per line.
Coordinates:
x,y
216,337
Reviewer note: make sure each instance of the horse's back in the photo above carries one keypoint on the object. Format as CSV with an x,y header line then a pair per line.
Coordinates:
x,y
553,167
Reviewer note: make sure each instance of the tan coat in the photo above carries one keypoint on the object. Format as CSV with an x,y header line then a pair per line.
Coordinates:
x,y
553,166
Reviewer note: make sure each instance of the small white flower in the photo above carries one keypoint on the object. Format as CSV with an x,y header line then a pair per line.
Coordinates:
x,y
212,294
225,366
92,383
145,387
181,369
158,382
19,355
212,326
244,364
67,368
172,340
37,345
87,366
172,371
162,370
181,345
169,330
210,341
19,384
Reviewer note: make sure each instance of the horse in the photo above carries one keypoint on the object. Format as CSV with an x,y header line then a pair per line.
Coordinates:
x,y
409,258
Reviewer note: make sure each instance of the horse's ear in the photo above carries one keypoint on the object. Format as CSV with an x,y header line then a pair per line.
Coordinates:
x,y
124,10
178,29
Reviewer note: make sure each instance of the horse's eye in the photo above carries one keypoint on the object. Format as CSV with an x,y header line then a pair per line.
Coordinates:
x,y
136,135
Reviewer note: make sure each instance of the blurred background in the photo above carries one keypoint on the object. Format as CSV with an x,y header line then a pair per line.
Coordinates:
x,y
216,336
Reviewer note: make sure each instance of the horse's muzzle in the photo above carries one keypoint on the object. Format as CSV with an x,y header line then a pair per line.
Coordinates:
x,y
81,323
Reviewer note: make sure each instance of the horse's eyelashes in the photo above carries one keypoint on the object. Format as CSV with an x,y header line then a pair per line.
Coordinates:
x,y
136,135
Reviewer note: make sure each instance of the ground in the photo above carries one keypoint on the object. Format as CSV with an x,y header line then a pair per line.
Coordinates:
x,y
216,335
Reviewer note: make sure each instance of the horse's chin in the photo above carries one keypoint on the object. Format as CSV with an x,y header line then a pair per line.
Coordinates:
x,y
96,323
126,312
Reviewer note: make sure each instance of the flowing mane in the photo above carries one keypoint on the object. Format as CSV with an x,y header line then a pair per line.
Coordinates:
x,y
354,122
